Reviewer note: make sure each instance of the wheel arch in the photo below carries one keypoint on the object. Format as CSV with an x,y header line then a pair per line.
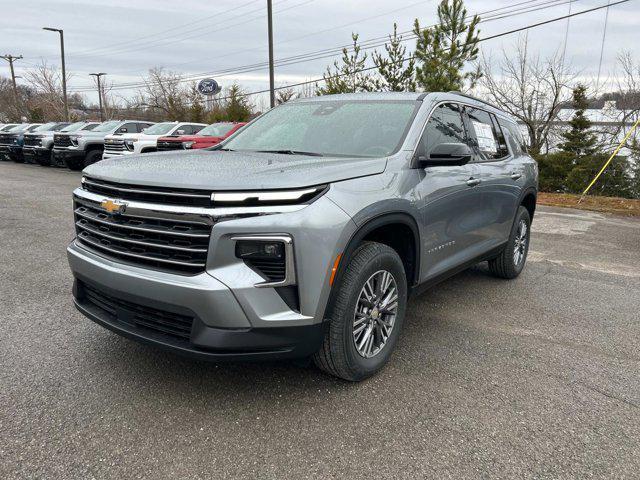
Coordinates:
x,y
528,200
384,228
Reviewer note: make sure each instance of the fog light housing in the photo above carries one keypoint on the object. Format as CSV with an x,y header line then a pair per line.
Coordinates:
x,y
270,256
261,250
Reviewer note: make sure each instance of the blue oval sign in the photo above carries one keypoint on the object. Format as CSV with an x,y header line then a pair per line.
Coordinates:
x,y
208,86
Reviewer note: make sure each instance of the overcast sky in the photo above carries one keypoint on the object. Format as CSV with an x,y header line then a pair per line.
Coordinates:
x,y
125,38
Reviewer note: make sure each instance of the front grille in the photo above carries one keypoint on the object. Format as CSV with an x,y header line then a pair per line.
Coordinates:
x,y
60,140
169,324
169,145
31,141
170,245
114,146
7,139
274,270
163,195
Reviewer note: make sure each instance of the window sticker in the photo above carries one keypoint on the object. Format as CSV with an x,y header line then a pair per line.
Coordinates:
x,y
484,133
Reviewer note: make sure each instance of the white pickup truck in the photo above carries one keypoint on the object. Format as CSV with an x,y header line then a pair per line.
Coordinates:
x,y
135,143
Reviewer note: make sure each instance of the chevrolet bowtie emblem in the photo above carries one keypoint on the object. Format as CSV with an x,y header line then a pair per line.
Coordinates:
x,y
113,207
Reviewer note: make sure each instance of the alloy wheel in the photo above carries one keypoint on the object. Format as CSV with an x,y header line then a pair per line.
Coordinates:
x,y
520,244
375,313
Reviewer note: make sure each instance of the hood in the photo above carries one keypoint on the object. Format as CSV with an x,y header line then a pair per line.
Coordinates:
x,y
181,138
44,133
91,134
125,136
215,170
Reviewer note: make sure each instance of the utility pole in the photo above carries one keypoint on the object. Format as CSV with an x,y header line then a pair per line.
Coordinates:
x,y
11,59
98,75
64,71
272,91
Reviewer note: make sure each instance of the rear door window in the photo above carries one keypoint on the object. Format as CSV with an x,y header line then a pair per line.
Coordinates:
x,y
489,139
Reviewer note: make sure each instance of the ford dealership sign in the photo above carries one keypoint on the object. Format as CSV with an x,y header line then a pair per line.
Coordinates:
x,y
208,86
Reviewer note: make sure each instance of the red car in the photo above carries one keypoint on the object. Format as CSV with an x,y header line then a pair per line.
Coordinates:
x,y
207,137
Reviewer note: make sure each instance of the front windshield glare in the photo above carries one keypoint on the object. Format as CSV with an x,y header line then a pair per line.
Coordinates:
x,y
73,127
329,128
216,130
159,129
107,126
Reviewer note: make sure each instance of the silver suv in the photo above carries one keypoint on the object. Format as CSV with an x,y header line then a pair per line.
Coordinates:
x,y
303,234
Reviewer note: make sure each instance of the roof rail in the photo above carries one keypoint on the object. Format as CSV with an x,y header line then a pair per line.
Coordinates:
x,y
455,92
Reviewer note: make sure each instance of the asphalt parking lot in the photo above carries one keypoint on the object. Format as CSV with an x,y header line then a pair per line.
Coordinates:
x,y
537,377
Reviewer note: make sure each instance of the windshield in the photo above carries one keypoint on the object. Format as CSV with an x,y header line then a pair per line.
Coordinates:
x,y
6,128
45,127
216,130
33,128
159,129
333,128
58,127
107,126
73,127
18,128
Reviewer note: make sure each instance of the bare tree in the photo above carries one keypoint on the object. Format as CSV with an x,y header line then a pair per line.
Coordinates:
x,y
531,89
627,98
284,95
46,81
163,93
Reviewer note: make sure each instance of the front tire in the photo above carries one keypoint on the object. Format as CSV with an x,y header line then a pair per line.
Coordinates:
x,y
367,314
74,163
510,262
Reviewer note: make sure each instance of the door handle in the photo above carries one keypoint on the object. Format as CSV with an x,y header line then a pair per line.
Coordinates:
x,y
516,175
472,182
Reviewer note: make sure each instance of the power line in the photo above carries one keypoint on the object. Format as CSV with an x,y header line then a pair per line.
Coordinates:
x,y
331,52
492,37
162,32
182,37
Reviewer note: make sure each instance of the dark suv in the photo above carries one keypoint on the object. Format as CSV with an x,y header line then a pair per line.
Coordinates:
x,y
305,232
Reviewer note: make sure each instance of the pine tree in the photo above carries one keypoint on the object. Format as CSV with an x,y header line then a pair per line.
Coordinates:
x,y
442,51
396,77
348,77
579,141
238,108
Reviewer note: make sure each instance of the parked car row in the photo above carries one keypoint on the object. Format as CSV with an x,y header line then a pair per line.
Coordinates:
x,y
77,145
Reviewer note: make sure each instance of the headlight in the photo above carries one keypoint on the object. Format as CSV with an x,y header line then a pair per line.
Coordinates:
x,y
187,144
74,139
129,144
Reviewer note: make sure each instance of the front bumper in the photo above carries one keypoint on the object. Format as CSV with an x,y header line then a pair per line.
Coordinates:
x,y
106,154
59,156
220,329
33,154
11,152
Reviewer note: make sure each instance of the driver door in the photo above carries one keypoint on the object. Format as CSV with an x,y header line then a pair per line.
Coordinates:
x,y
449,199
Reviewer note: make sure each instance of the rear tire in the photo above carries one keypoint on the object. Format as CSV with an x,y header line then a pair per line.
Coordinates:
x,y
367,314
510,262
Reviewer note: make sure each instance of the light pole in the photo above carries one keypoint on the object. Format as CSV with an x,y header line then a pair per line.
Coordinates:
x,y
272,91
64,71
98,75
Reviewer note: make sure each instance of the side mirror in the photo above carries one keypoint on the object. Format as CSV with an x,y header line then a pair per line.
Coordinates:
x,y
179,132
123,129
445,154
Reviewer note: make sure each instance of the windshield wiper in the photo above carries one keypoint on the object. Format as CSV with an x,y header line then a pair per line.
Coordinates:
x,y
291,152
225,150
